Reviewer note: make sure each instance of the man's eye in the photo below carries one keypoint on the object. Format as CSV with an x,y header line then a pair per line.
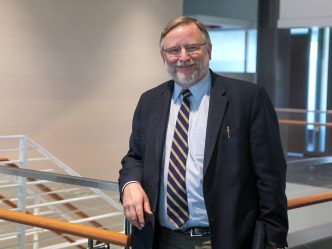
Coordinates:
x,y
173,50
192,49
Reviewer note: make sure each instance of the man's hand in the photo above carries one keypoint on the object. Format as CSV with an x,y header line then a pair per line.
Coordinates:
x,y
135,204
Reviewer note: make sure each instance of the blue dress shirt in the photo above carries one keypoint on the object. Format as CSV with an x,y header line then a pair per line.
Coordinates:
x,y
199,107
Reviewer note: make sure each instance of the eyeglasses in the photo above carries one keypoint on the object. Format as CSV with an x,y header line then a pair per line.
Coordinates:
x,y
190,49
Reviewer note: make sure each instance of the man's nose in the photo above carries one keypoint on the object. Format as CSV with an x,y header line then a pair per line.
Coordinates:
x,y
183,56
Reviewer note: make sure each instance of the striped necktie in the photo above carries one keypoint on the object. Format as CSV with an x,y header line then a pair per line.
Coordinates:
x,y
177,203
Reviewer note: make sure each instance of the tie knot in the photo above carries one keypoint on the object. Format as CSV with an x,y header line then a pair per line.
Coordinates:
x,y
186,93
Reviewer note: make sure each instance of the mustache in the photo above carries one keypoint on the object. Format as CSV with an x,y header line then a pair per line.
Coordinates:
x,y
185,63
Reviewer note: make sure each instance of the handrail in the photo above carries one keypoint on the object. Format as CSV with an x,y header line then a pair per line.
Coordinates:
x,y
55,196
309,200
12,169
66,227
13,205
113,237
54,177
301,122
295,110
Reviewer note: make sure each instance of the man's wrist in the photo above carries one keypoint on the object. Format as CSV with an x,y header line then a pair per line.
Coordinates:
x,y
127,183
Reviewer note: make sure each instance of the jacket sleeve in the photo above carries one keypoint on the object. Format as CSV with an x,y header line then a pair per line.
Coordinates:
x,y
270,167
132,163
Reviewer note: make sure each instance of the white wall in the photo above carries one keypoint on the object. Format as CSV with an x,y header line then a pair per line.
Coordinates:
x,y
305,13
71,73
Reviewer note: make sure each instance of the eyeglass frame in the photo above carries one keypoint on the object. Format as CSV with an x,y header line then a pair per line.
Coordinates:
x,y
199,45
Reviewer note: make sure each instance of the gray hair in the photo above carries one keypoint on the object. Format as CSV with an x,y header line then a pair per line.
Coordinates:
x,y
184,20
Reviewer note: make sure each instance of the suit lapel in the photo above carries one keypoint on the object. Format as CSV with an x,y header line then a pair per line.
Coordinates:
x,y
217,107
163,105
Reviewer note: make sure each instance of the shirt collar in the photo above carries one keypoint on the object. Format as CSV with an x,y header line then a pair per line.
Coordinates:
x,y
197,90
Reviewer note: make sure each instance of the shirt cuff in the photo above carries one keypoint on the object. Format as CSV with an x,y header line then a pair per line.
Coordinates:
x,y
127,183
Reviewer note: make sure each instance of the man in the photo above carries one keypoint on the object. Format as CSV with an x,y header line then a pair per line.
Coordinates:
x,y
205,166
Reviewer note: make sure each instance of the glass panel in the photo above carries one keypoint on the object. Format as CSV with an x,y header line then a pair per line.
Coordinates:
x,y
233,51
59,201
228,51
310,88
71,201
251,51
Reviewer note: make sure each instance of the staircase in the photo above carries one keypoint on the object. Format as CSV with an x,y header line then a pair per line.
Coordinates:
x,y
72,201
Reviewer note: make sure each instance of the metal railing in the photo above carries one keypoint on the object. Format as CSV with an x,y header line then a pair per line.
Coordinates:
x,y
58,226
45,192
97,233
101,234
299,199
66,227
294,111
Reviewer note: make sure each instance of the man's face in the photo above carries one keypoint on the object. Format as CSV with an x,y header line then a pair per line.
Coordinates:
x,y
186,68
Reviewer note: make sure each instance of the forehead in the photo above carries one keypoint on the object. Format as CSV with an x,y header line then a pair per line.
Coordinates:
x,y
183,34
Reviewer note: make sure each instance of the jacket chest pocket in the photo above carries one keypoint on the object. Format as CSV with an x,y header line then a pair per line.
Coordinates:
x,y
230,134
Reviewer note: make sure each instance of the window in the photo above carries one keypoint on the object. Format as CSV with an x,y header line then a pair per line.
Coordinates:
x,y
233,51
317,88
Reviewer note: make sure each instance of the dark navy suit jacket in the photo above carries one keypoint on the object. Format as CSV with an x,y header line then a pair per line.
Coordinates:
x,y
244,167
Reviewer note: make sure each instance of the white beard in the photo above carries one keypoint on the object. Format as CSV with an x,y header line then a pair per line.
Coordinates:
x,y
183,80
186,81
